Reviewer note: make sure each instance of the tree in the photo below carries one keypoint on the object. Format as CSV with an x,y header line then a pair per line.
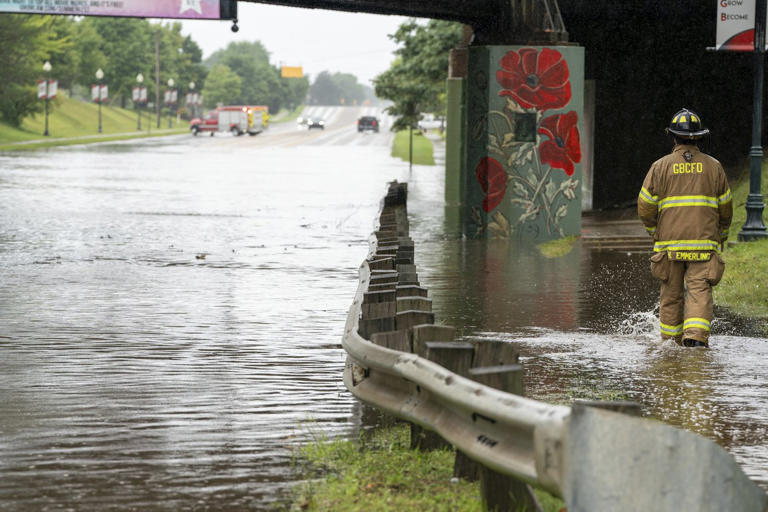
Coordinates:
x,y
27,42
222,86
415,82
336,88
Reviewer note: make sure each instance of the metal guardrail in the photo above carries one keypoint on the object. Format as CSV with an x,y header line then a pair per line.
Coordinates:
x,y
596,460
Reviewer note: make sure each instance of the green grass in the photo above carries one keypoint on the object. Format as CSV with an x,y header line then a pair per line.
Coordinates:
x,y
71,119
379,472
422,148
744,287
740,189
286,115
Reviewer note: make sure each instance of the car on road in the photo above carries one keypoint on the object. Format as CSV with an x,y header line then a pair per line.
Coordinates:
x,y
368,123
311,122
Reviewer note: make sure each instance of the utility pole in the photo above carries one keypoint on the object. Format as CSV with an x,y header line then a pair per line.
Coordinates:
x,y
157,75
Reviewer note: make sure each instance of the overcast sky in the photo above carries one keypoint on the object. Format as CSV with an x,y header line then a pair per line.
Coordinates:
x,y
315,39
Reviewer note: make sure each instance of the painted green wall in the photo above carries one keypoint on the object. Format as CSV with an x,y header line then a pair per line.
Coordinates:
x,y
525,109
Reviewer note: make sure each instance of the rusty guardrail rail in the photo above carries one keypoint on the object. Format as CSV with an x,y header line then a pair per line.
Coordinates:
x,y
595,459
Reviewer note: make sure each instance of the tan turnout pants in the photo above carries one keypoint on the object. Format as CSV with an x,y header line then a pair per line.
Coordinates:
x,y
685,303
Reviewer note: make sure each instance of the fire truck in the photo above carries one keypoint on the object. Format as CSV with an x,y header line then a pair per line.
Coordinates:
x,y
236,119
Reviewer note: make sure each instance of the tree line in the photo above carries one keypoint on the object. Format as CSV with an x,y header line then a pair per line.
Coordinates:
x,y
124,47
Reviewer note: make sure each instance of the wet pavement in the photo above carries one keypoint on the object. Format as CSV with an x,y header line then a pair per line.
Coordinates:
x,y
171,315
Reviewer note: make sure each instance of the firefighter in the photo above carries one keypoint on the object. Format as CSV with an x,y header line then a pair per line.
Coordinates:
x,y
685,204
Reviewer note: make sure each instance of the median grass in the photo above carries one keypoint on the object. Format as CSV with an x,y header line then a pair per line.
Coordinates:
x,y
422,148
72,121
744,287
379,472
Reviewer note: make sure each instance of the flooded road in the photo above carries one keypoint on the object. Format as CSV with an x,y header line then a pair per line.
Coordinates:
x,y
586,326
171,314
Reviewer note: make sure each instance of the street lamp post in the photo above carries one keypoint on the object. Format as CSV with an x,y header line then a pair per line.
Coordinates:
x,y
47,68
170,102
192,92
754,228
139,80
99,76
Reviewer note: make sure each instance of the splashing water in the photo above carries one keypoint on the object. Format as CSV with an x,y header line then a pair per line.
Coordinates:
x,y
643,324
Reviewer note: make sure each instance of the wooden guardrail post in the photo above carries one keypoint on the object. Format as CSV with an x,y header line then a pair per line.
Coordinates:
x,y
422,439
502,493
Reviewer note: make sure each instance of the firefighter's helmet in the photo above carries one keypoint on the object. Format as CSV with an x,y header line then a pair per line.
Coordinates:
x,y
687,125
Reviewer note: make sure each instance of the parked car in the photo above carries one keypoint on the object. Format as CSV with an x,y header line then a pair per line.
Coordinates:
x,y
431,122
368,123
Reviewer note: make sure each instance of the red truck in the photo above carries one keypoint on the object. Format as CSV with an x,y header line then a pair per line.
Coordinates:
x,y
237,119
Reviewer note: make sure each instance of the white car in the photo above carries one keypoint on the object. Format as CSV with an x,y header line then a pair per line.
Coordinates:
x,y
430,122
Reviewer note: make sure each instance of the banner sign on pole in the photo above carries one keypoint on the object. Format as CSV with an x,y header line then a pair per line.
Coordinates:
x,y
176,9
95,93
174,96
135,94
53,87
167,97
41,89
735,25
143,95
104,94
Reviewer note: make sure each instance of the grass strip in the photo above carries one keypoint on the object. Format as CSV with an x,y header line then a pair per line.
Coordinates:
x,y
422,148
73,121
744,287
740,190
379,472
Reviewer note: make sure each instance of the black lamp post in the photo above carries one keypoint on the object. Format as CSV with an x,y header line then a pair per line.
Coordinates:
x,y
99,76
754,228
47,68
139,80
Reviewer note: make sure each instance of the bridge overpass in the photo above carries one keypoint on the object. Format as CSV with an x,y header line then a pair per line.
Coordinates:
x,y
643,59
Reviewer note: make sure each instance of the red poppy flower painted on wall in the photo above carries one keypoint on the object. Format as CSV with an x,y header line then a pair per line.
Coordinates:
x,y
535,79
564,147
493,180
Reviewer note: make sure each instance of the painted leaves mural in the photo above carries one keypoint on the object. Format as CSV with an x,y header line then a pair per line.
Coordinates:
x,y
534,151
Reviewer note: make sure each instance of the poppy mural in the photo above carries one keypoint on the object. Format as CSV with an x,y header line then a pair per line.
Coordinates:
x,y
524,141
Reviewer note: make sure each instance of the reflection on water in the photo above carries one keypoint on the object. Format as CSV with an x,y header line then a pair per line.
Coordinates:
x,y
586,326
171,316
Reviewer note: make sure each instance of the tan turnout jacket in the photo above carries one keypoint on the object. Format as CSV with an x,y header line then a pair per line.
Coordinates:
x,y
685,202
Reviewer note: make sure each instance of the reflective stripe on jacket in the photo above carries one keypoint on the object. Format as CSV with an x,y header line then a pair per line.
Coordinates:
x,y
685,202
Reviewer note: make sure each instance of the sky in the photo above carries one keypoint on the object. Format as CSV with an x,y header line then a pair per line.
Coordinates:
x,y
315,39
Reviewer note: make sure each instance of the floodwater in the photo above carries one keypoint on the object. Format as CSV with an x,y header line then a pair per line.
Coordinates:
x,y
586,326
171,313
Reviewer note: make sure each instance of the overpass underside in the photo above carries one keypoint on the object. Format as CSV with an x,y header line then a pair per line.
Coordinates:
x,y
492,21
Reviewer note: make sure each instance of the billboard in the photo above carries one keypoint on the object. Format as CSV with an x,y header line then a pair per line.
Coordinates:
x,y
735,25
181,9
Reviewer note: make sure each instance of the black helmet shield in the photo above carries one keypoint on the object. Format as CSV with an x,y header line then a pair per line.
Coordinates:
x,y
687,125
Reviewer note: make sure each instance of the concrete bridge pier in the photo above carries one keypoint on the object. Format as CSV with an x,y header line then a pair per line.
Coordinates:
x,y
515,127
